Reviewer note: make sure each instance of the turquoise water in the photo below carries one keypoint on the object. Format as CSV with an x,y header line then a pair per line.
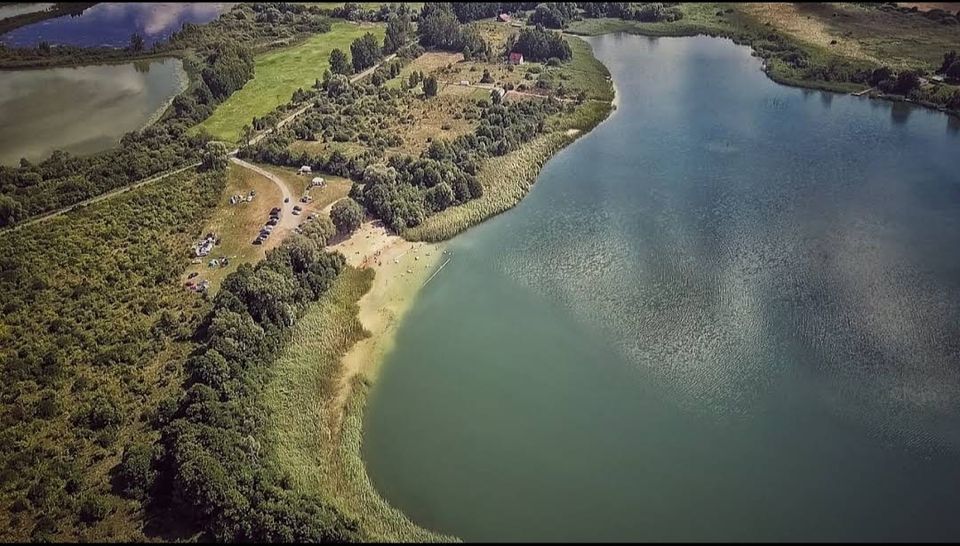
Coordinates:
x,y
730,312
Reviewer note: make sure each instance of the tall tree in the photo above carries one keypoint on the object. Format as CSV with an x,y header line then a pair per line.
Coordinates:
x,y
340,63
365,52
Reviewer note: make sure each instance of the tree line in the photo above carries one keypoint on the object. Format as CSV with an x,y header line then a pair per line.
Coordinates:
x,y
212,464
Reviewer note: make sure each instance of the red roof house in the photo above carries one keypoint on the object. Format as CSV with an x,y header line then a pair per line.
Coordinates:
x,y
516,58
503,18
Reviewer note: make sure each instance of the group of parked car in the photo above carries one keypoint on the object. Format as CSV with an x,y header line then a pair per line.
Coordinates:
x,y
267,229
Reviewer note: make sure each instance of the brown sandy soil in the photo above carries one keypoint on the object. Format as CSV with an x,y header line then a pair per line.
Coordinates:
x,y
401,268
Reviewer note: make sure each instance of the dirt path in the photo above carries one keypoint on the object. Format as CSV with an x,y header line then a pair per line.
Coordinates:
x,y
288,222
101,197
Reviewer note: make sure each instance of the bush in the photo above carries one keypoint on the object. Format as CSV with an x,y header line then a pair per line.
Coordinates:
x,y
346,215
135,472
93,508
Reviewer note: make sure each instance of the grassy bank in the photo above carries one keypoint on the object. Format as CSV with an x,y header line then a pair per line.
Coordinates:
x,y
316,439
278,74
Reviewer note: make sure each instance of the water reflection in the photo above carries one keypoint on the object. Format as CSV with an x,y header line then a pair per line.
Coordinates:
x,y
81,110
111,24
900,112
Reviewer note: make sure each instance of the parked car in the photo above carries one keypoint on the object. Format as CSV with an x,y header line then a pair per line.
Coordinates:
x,y
275,210
304,199
258,241
192,275
272,222
297,207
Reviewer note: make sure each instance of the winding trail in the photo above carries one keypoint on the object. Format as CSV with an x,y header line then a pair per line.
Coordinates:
x,y
288,222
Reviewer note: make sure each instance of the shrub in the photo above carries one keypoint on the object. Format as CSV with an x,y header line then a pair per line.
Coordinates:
x,y
346,215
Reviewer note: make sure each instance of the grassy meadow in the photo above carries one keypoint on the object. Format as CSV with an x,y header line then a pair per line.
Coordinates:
x,y
278,74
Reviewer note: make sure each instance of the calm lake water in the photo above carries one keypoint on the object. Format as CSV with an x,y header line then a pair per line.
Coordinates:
x,y
731,312
81,110
112,23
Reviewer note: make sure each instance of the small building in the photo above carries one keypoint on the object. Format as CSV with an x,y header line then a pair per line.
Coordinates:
x,y
503,18
305,169
464,82
317,181
516,58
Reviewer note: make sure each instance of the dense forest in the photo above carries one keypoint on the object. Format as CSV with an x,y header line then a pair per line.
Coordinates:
x,y
91,328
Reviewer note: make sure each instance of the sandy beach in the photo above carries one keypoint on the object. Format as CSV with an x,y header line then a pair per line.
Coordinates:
x,y
401,269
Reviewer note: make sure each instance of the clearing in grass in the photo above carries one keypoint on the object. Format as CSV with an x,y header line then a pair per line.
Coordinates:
x,y
278,74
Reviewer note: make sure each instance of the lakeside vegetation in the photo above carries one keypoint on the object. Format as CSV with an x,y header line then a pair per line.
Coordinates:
x,y
836,47
317,441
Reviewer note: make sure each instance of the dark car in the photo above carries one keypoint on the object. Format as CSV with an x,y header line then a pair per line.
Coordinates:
x,y
192,275
258,241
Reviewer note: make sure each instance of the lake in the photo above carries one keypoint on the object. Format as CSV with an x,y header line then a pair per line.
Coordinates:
x,y
111,24
730,312
82,109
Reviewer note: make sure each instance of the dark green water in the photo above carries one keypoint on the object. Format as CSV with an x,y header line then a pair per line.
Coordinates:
x,y
732,311
84,109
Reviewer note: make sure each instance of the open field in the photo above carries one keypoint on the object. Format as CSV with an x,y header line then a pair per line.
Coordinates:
x,y
237,225
896,39
426,63
278,74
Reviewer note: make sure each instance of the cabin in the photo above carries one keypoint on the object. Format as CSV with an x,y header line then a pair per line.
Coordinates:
x,y
516,58
305,169
503,18
317,181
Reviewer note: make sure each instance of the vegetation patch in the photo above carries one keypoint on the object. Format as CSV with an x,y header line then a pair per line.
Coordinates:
x,y
277,75
318,442
92,335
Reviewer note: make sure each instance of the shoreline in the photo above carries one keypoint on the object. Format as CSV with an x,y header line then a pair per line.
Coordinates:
x,y
401,269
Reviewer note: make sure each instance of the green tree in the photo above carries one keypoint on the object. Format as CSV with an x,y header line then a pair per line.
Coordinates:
x,y
136,42
11,211
135,472
399,32
340,63
214,156
365,52
430,86
953,72
346,215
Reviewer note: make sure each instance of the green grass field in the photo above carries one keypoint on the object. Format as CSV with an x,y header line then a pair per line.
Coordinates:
x,y
278,74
